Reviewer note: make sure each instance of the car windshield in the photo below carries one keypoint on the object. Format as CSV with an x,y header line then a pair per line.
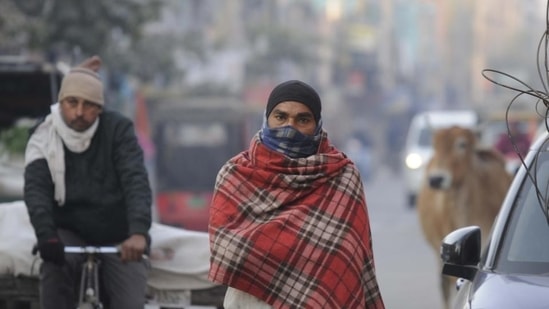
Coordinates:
x,y
426,137
525,246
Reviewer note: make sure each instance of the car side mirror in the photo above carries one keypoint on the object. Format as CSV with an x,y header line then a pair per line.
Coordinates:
x,y
460,252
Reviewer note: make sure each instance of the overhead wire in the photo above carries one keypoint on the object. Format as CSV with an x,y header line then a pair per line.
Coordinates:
x,y
541,103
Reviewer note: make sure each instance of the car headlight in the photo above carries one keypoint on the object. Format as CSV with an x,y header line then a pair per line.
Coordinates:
x,y
413,161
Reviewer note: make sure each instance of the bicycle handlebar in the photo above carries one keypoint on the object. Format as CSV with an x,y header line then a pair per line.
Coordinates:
x,y
91,249
95,250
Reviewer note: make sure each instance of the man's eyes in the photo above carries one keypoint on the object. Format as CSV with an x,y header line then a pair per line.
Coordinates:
x,y
86,104
302,120
89,105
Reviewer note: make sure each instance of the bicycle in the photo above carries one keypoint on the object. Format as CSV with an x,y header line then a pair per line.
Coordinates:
x,y
88,296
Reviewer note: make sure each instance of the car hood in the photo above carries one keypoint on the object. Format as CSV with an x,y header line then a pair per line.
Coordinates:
x,y
511,291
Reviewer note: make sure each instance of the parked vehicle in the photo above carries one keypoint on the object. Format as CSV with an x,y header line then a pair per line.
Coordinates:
x,y
494,133
27,89
418,148
512,270
193,138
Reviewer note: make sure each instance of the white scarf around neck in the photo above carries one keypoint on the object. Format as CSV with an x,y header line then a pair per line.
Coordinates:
x,y
47,142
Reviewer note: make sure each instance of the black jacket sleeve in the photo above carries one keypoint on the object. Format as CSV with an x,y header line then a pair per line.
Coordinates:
x,y
38,196
130,167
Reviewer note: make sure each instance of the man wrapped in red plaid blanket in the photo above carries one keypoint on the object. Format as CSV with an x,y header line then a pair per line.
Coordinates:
x,y
289,226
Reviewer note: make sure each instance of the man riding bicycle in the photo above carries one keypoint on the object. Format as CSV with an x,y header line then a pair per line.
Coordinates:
x,y
86,184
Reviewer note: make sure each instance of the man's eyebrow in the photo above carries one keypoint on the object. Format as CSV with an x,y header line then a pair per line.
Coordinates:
x,y
299,115
305,114
277,111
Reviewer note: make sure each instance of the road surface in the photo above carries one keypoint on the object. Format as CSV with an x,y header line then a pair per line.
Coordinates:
x,y
407,269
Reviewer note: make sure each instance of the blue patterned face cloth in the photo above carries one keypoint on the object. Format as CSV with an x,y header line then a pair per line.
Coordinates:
x,y
290,141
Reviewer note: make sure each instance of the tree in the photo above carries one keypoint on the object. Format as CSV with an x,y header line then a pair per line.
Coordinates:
x,y
57,27
11,23
150,59
277,45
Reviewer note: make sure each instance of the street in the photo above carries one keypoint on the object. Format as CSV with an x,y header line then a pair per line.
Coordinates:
x,y
406,267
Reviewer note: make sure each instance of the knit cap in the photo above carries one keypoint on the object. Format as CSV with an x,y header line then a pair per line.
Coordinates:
x,y
295,90
82,83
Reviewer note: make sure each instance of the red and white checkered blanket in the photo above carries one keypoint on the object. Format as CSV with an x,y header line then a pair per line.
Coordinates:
x,y
294,233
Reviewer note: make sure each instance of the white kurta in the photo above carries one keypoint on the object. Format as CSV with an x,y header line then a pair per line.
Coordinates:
x,y
236,299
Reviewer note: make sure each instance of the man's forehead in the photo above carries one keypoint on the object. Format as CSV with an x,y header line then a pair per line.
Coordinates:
x,y
292,107
79,99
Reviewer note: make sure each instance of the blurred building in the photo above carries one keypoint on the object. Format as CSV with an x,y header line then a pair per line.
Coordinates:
x,y
506,35
375,62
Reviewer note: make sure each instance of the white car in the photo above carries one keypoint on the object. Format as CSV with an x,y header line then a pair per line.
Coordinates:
x,y
418,147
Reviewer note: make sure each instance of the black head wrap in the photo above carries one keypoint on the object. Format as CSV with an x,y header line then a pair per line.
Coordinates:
x,y
295,90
